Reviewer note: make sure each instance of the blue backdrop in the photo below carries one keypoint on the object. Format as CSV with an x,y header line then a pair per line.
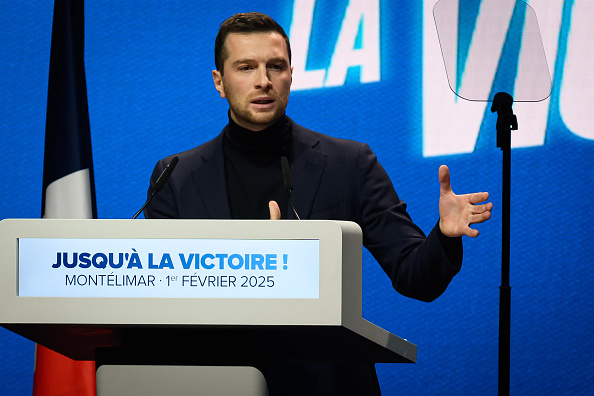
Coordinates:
x,y
375,75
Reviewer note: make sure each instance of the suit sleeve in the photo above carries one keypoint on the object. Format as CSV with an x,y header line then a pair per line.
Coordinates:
x,y
420,267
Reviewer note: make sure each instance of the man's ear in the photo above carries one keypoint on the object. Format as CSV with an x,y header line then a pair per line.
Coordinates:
x,y
218,82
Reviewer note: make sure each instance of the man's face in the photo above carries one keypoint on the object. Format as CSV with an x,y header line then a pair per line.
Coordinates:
x,y
256,78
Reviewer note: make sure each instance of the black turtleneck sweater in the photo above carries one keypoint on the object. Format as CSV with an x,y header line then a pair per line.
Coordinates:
x,y
253,169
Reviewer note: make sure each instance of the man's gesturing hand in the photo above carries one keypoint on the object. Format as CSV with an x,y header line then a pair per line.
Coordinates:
x,y
458,212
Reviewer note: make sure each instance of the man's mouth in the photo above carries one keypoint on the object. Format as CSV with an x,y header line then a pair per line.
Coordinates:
x,y
263,101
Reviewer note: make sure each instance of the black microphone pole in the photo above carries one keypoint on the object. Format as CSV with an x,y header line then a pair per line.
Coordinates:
x,y
506,122
163,177
288,181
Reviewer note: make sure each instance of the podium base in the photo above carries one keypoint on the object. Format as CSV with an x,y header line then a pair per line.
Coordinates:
x,y
144,380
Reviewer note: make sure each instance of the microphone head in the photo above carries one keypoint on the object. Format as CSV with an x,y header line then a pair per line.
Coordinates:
x,y
174,162
287,180
166,173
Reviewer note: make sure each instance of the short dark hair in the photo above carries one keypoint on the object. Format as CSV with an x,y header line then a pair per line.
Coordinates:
x,y
245,23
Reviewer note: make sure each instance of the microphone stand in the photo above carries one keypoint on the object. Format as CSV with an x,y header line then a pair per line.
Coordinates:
x,y
506,122
519,27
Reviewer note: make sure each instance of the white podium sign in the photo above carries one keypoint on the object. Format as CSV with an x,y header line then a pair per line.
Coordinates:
x,y
182,268
208,289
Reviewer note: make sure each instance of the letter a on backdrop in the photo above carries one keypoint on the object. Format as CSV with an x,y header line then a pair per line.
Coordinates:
x,y
68,182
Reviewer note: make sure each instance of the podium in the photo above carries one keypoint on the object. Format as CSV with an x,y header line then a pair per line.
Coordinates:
x,y
190,292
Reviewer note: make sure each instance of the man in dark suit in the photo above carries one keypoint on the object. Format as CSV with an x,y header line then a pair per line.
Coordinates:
x,y
238,175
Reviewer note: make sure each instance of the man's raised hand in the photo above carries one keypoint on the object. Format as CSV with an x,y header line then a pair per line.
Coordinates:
x,y
458,212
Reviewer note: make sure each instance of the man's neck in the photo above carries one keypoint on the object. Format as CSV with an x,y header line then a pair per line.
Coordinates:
x,y
271,140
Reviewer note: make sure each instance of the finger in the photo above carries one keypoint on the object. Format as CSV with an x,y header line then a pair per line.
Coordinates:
x,y
471,232
275,213
478,209
444,180
478,197
480,217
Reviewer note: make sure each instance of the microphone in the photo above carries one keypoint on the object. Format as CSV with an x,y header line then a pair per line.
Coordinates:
x,y
161,180
288,182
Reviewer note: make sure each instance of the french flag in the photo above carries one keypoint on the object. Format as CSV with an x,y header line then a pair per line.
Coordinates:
x,y
68,181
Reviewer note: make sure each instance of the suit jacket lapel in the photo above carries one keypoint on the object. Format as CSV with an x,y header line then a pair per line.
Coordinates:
x,y
307,167
210,178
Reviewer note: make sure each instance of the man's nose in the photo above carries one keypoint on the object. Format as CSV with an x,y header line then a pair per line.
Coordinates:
x,y
262,79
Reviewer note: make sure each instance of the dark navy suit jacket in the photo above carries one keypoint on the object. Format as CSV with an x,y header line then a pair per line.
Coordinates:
x,y
334,179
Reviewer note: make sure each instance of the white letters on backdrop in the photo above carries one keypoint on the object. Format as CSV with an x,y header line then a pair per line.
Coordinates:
x,y
451,125
361,16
